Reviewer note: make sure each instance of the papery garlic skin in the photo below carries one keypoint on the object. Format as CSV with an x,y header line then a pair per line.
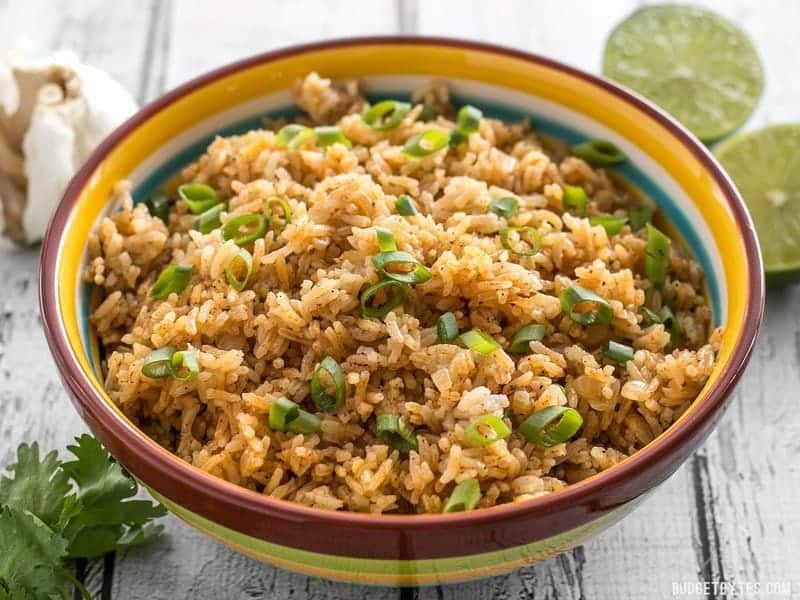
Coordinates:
x,y
54,115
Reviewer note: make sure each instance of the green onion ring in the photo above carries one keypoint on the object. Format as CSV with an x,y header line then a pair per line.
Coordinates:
x,y
520,343
174,278
386,115
199,197
447,328
426,143
574,197
639,216
304,423
499,431
208,221
405,206
284,204
158,364
185,359
158,205
392,302
233,226
242,261
535,244
468,119
652,317
396,433
552,425
322,399
328,135
479,342
656,256
572,297
386,241
671,324
613,225
599,152
465,497
618,352
281,411
504,207
427,113
382,261
456,138
293,136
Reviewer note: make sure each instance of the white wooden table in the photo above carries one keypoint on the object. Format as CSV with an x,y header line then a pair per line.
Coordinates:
x,y
729,514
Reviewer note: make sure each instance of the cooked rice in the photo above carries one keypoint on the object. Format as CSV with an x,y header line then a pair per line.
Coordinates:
x,y
302,304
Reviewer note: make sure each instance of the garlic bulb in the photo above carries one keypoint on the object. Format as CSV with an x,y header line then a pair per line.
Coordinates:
x,y
53,113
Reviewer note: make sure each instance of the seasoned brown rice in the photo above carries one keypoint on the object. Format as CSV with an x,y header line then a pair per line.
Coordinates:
x,y
301,304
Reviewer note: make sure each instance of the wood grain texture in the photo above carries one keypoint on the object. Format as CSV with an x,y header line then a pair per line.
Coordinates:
x,y
729,514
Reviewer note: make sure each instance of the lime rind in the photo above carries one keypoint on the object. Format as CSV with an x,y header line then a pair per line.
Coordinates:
x,y
765,167
695,64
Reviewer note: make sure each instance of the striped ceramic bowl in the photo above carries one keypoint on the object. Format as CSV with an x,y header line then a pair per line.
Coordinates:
x,y
667,164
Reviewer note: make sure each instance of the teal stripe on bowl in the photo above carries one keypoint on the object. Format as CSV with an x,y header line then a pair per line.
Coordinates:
x,y
542,124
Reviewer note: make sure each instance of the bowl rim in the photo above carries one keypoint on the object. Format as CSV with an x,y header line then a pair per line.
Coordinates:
x,y
208,495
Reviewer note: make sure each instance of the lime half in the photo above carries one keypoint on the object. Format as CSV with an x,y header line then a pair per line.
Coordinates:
x,y
765,166
693,63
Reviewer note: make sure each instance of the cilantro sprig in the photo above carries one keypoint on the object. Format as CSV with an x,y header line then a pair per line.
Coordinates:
x,y
53,511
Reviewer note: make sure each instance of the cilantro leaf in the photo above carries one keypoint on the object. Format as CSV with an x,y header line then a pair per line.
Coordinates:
x,y
30,563
107,518
38,486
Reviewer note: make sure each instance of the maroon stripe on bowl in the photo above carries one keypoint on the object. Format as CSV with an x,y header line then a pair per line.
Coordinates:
x,y
395,536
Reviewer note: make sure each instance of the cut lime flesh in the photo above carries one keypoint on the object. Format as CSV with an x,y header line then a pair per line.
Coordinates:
x,y
765,166
693,63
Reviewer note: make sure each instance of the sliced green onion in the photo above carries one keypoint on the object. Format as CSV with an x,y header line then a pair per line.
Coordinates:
x,y
504,207
468,119
386,115
599,152
386,241
208,221
293,136
419,274
304,423
656,256
639,216
479,342
427,113
396,433
552,425
574,197
285,415
426,143
521,341
398,294
618,352
651,316
575,296
199,197
281,412
328,135
173,278
285,207
256,223
447,328
405,206
158,205
465,497
613,225
671,324
456,138
325,400
239,269
184,365
498,430
535,243
158,364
